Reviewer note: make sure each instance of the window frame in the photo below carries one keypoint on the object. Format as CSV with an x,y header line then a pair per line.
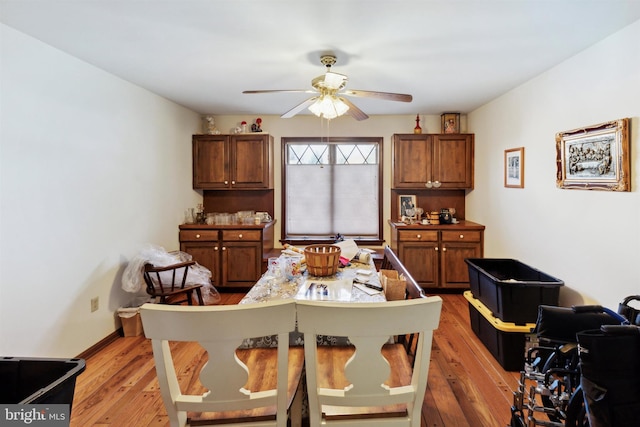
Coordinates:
x,y
309,240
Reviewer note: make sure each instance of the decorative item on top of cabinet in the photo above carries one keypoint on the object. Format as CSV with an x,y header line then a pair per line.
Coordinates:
x,y
433,161
233,162
434,254
450,122
417,129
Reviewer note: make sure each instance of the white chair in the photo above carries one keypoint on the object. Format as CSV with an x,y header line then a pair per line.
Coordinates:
x,y
375,385
239,385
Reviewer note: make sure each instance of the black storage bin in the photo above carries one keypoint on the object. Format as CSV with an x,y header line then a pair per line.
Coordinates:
x,y
510,289
505,341
26,380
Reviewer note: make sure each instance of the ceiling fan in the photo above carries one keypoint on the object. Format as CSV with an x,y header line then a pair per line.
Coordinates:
x,y
329,90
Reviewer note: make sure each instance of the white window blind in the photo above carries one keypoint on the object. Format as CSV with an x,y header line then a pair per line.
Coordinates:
x,y
332,188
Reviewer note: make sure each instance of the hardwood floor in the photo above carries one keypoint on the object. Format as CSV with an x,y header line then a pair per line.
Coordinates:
x,y
466,387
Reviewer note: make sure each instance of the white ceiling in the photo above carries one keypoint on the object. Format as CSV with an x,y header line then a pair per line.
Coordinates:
x,y
450,55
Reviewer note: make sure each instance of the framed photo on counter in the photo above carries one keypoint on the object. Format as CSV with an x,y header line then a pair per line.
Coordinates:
x,y
406,206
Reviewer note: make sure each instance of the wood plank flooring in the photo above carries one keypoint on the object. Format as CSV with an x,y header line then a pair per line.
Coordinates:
x,y
466,386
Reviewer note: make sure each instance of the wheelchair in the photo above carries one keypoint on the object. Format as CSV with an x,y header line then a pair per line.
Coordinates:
x,y
549,391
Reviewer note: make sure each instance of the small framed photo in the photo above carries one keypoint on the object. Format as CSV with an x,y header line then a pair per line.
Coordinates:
x,y
450,122
514,168
594,157
406,206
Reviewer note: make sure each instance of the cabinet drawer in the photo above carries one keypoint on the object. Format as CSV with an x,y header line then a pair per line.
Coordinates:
x,y
418,236
243,235
461,236
198,235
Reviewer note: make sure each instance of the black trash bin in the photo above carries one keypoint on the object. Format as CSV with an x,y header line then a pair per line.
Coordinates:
x,y
26,380
510,289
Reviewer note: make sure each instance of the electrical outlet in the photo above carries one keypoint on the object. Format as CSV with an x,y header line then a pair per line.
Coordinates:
x,y
95,304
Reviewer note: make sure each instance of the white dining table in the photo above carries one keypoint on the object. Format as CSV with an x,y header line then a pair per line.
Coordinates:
x,y
265,290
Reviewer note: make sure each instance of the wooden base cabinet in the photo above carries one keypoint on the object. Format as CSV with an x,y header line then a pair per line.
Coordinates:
x,y
234,255
434,255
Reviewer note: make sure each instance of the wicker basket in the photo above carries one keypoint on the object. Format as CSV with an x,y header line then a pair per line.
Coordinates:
x,y
322,260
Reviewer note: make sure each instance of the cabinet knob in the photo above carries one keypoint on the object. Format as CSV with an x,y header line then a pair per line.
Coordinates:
x,y
197,236
224,248
233,183
215,248
419,236
436,248
437,184
239,236
444,249
428,184
462,236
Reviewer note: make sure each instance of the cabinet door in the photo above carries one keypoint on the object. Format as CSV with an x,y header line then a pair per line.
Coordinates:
x,y
250,163
455,272
453,160
412,159
421,261
206,254
241,263
211,162
455,247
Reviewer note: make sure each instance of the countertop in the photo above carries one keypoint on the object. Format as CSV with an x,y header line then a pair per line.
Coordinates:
x,y
260,226
461,225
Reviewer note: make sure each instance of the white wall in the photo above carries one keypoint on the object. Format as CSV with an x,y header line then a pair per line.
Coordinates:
x,y
91,168
589,239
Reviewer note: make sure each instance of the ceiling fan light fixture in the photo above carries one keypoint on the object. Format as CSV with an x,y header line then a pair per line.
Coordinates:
x,y
329,107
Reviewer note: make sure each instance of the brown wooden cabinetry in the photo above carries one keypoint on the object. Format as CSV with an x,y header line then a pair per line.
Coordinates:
x,y
434,255
233,162
233,253
433,161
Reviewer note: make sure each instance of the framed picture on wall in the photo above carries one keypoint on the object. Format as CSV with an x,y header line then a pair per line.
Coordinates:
x,y
594,157
406,206
514,168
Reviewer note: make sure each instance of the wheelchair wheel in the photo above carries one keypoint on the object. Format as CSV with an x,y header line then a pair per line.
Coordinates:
x,y
576,410
550,363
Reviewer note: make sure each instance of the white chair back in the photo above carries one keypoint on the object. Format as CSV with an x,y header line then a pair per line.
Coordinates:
x,y
220,330
368,327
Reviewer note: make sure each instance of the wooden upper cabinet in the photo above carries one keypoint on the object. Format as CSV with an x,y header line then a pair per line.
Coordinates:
x,y
433,161
233,162
412,160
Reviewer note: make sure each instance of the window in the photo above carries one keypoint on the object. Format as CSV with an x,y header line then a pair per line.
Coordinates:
x,y
332,186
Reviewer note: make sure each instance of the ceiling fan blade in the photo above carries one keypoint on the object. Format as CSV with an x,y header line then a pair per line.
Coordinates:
x,y
295,110
378,95
281,91
354,111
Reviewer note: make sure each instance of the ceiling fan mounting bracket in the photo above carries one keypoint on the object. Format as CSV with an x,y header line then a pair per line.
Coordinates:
x,y
328,60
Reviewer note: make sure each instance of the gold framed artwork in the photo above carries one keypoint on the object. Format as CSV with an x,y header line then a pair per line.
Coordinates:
x,y
594,157
514,168
450,122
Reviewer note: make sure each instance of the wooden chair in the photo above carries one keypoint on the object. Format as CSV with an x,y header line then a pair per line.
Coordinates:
x,y
250,386
373,378
414,290
168,284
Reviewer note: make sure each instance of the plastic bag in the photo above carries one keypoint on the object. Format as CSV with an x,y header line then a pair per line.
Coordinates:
x,y
133,281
